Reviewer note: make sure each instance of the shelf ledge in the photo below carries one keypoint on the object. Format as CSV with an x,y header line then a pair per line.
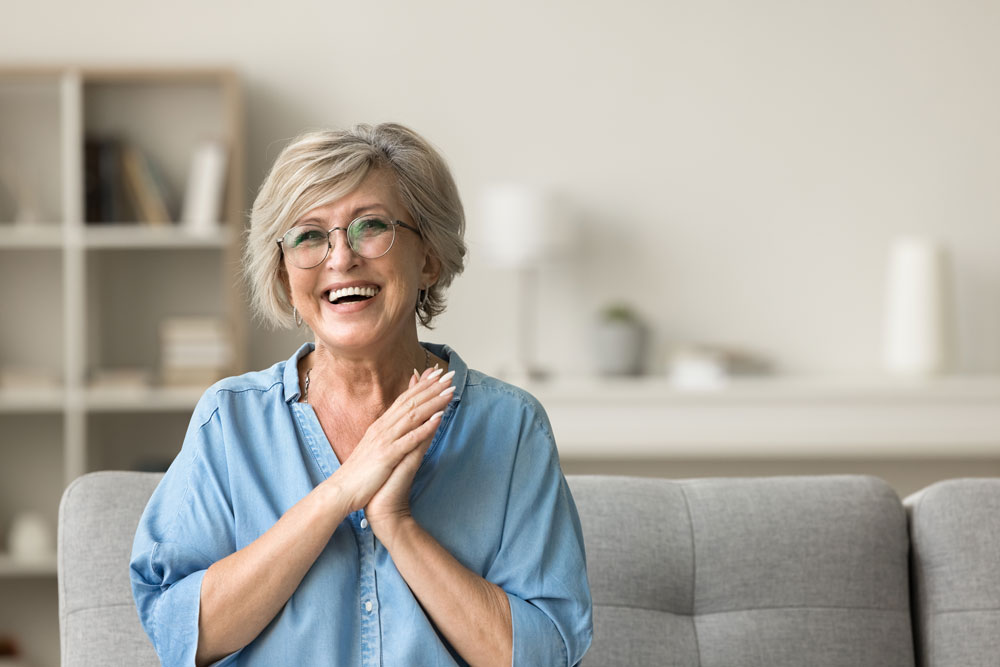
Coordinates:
x,y
148,236
11,567
149,399
39,236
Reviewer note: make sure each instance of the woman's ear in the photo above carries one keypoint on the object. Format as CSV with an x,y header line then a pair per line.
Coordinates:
x,y
431,270
283,278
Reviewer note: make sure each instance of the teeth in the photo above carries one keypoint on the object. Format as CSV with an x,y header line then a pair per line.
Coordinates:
x,y
352,291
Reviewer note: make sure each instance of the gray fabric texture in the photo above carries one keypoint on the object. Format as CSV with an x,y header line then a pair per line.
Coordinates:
x,y
699,573
771,571
955,570
98,622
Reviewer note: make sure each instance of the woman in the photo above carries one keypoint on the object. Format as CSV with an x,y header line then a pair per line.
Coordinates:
x,y
371,500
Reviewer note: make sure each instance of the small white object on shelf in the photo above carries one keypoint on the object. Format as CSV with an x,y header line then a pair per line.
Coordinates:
x,y
21,378
698,369
918,318
206,188
30,538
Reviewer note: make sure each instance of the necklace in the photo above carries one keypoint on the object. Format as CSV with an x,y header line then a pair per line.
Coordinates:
x,y
305,388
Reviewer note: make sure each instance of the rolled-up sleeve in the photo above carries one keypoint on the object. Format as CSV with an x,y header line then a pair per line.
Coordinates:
x,y
541,563
187,525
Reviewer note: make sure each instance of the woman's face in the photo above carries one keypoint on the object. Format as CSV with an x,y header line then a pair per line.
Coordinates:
x,y
387,318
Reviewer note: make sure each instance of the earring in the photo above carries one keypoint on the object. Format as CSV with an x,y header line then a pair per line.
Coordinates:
x,y
298,318
421,298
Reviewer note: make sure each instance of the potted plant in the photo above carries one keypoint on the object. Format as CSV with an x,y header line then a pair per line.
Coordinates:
x,y
618,341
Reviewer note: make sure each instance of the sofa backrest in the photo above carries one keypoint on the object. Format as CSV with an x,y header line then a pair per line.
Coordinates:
x,y
98,623
955,570
749,572
763,572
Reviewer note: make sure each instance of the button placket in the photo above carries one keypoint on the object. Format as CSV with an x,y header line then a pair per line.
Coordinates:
x,y
371,640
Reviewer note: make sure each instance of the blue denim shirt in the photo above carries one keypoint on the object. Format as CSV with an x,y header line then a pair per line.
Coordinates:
x,y
490,491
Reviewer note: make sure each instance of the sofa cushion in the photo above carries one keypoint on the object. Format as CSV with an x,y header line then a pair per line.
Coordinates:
x,y
955,566
754,572
98,622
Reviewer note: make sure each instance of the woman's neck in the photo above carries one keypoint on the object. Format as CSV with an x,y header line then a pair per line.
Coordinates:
x,y
363,378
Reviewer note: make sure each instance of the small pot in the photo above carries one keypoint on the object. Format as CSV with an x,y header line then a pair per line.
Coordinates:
x,y
618,347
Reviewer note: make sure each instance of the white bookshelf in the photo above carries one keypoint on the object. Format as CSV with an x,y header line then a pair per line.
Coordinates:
x,y
80,296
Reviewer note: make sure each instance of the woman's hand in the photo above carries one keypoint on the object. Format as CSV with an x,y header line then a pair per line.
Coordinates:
x,y
405,429
391,502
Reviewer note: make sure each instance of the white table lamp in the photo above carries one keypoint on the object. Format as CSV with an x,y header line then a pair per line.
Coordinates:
x,y
519,228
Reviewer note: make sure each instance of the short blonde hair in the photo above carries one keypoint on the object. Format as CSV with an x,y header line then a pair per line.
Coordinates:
x,y
318,168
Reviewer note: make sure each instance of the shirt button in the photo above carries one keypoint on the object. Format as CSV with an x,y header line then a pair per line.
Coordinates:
x,y
364,524
368,605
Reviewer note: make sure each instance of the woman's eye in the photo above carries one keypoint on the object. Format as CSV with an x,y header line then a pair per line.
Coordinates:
x,y
309,236
372,227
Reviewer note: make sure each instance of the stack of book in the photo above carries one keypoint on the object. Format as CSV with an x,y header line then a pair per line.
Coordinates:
x,y
195,351
123,184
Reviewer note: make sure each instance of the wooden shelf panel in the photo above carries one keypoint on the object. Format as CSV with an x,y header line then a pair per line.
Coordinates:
x,y
39,236
149,399
31,400
774,418
145,236
11,567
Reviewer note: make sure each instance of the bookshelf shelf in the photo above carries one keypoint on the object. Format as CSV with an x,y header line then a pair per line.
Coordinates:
x,y
28,401
142,399
145,236
37,236
11,567
76,307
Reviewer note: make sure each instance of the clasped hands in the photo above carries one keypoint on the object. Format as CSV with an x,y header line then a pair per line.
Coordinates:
x,y
379,473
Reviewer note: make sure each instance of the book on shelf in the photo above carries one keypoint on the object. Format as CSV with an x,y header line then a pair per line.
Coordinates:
x,y
204,196
122,184
144,191
105,198
195,351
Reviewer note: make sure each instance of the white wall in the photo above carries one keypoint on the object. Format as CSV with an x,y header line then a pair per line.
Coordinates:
x,y
765,152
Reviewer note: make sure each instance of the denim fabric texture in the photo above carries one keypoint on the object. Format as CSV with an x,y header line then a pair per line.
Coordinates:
x,y
490,490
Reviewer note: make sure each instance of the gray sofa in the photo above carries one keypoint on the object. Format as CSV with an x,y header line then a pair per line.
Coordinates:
x,y
768,572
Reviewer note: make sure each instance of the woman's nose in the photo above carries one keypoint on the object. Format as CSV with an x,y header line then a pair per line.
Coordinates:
x,y
341,256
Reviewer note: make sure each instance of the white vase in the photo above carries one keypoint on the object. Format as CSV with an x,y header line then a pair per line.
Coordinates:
x,y
918,309
618,347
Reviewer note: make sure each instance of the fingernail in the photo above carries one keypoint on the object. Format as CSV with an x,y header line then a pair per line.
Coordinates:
x,y
447,391
436,415
447,376
415,373
435,374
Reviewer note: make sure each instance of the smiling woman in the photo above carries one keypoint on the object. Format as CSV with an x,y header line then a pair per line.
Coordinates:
x,y
371,500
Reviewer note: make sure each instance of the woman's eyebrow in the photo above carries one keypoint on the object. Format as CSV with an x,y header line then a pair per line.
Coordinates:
x,y
355,213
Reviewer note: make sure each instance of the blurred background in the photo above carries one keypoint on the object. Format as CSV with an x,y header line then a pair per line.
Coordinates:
x,y
751,238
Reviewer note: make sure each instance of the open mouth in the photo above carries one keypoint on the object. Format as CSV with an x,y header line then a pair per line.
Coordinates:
x,y
351,294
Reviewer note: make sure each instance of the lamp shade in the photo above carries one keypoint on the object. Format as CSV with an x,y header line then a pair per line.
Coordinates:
x,y
517,225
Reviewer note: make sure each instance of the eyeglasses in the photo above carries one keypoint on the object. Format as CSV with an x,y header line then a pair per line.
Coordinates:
x,y
369,236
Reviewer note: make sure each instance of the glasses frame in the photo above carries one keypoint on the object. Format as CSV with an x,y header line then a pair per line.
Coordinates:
x,y
329,235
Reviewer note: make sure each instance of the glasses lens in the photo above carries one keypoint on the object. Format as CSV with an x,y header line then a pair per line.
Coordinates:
x,y
305,246
371,236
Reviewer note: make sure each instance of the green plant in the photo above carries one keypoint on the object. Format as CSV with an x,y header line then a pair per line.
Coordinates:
x,y
619,312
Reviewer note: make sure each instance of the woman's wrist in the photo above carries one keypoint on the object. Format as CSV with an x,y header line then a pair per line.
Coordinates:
x,y
335,496
391,531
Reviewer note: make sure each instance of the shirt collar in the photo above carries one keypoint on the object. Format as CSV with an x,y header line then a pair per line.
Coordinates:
x,y
290,377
